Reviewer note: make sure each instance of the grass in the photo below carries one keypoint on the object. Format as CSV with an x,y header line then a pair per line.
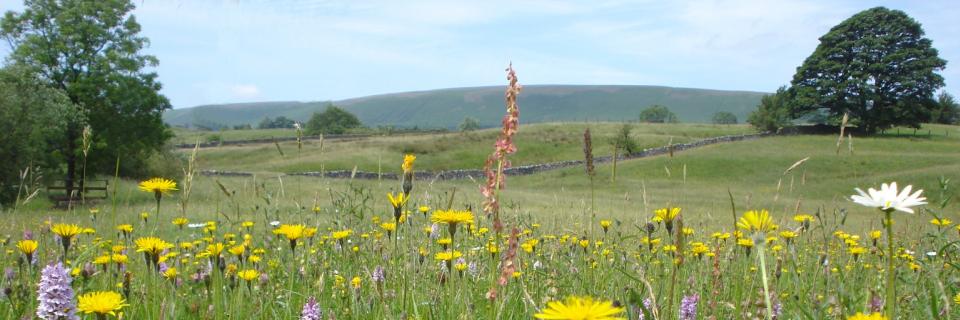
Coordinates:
x,y
188,136
542,143
550,210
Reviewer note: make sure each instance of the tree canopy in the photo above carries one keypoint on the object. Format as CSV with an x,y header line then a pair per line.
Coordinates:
x,y
333,120
773,113
657,114
724,117
877,66
91,50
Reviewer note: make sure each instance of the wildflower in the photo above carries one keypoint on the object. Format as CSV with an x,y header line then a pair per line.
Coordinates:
x,y
170,273
956,298
66,232
941,222
101,302
311,310
688,307
408,160
861,316
378,275
757,221
55,294
158,186
125,229
152,247
291,232
248,275
397,202
355,282
605,224
389,227
667,215
247,224
342,234
888,198
448,255
180,222
27,247
451,218
580,308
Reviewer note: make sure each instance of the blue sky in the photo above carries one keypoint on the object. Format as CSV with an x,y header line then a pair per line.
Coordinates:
x,y
222,51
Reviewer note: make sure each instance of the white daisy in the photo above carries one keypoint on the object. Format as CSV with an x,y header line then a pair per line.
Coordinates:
x,y
888,198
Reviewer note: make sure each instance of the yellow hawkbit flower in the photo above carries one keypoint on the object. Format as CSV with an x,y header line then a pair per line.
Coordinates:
x,y
408,160
355,282
180,222
170,273
452,217
158,186
580,308
667,214
66,231
27,247
125,228
873,316
757,221
448,255
342,234
101,302
941,222
248,275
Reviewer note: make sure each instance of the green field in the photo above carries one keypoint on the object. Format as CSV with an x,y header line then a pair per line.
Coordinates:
x,y
541,142
614,265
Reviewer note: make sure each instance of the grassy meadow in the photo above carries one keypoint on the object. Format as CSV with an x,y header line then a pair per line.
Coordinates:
x,y
575,236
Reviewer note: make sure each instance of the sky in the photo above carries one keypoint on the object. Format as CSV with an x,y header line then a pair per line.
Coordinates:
x,y
228,51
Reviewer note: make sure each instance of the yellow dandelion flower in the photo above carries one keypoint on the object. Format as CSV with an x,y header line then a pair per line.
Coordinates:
x,y
408,160
667,214
397,201
802,218
66,231
27,247
342,234
152,245
745,242
580,308
757,221
355,282
215,249
388,226
787,234
170,273
941,222
180,222
956,298
292,232
452,217
861,316
248,275
238,250
247,224
101,302
118,258
125,228
101,260
158,186
447,255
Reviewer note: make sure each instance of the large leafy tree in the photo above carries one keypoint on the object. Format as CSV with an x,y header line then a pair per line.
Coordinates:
x,y
91,50
876,65
333,120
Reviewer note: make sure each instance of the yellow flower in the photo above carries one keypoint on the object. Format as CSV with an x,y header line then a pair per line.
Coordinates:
x,y
388,226
745,242
340,235
424,209
452,217
447,255
152,245
857,251
247,224
238,250
179,222
757,221
444,241
292,232
125,228
158,186
956,298
101,260
787,234
118,258
215,249
667,214
408,160
66,231
355,282
605,224
803,218
101,303
27,247
942,222
248,275
397,201
580,308
875,234
861,316
720,236
170,273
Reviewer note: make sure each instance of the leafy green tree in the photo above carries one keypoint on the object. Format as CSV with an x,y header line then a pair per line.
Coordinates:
x,y
91,50
333,120
773,113
723,117
30,113
947,110
469,124
876,65
657,114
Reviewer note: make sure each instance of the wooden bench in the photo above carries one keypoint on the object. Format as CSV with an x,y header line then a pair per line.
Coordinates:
x,y
92,191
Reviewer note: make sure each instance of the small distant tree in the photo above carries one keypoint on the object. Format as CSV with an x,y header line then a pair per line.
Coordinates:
x,y
947,110
333,120
773,113
623,142
724,117
657,114
469,124
278,122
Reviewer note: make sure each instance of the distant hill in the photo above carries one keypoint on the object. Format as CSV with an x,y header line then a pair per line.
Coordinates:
x,y
446,108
